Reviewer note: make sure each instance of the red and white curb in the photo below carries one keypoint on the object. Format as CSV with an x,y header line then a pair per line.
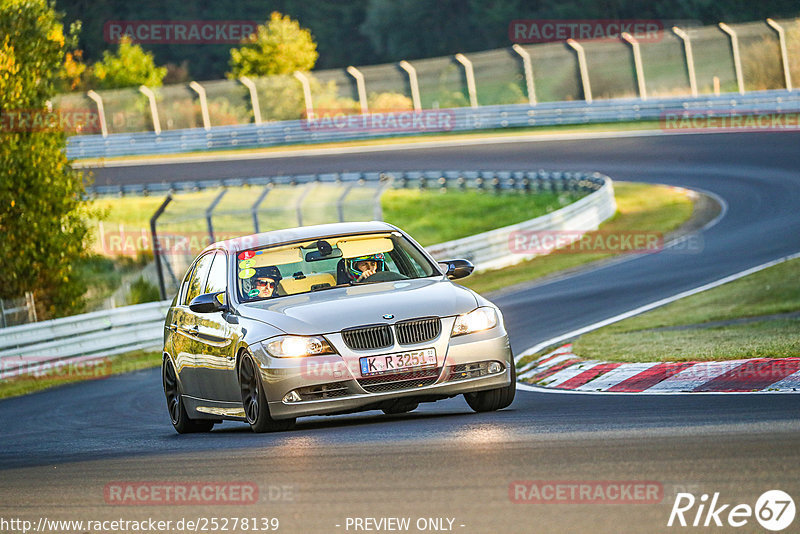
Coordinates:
x,y
563,370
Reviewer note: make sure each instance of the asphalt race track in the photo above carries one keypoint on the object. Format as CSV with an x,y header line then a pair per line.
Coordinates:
x,y
60,448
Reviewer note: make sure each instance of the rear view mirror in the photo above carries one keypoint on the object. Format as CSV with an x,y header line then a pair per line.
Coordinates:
x,y
317,255
455,269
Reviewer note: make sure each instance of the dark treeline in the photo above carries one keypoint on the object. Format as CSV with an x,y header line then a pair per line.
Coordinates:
x,y
363,32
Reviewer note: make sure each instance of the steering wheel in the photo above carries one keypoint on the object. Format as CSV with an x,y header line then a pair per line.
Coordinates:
x,y
384,276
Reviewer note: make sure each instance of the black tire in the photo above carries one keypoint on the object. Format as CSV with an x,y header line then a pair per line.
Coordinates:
x,y
177,411
493,399
400,408
254,400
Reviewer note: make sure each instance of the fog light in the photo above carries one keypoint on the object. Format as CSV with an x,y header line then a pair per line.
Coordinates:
x,y
495,367
292,396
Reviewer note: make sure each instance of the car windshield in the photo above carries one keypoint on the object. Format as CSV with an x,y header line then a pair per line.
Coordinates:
x,y
329,262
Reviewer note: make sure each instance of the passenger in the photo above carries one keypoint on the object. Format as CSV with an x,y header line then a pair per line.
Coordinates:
x,y
363,267
266,281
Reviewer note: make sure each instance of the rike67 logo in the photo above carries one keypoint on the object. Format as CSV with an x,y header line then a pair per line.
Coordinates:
x,y
774,510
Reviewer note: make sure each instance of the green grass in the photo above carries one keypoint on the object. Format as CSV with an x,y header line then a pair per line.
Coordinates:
x,y
640,207
772,291
122,363
432,217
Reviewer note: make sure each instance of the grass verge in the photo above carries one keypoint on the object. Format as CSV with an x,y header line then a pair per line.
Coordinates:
x,y
640,208
41,378
753,317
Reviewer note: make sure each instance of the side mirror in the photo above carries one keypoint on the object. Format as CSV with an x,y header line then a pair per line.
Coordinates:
x,y
208,303
455,269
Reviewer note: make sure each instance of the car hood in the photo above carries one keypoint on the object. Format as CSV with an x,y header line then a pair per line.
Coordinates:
x,y
332,310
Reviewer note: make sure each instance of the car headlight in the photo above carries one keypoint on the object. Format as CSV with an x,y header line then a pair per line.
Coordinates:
x,y
475,321
297,346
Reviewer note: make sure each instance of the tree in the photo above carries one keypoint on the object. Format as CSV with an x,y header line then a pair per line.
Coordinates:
x,y
131,66
280,46
41,206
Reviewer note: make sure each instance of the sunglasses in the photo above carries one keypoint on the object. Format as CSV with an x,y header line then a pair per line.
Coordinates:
x,y
267,283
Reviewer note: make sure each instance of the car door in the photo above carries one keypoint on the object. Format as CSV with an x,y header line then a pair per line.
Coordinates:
x,y
218,332
186,343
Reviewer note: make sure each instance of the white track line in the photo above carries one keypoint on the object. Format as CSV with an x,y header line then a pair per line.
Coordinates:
x,y
653,305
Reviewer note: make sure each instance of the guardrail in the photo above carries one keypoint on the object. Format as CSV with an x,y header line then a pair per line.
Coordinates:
x,y
453,120
105,333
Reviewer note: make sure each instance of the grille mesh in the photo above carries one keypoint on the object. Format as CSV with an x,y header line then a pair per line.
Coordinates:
x,y
415,379
368,338
466,371
418,330
323,391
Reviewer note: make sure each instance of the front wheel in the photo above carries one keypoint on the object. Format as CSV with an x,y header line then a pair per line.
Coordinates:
x,y
493,399
177,411
254,400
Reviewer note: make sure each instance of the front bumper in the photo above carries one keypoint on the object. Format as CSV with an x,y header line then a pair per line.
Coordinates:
x,y
463,368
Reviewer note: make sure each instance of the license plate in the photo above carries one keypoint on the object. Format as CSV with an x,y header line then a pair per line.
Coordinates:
x,y
398,362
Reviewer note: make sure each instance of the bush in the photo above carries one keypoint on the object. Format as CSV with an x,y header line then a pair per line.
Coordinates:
x,y
142,291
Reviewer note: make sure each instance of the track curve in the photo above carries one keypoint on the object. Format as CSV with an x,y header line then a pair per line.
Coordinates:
x,y
442,460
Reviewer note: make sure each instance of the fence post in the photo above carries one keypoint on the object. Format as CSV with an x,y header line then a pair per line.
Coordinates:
x,y
687,49
470,74
257,203
151,96
584,69
340,201
737,60
528,68
210,213
251,86
100,111
2,314
413,82
787,74
361,87
306,93
157,246
201,93
384,182
637,63
30,304
299,205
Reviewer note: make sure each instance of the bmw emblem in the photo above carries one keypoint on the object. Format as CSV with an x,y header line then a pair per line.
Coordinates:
x,y
388,316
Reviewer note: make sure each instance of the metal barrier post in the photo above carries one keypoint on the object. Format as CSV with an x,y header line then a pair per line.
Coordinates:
x,y
377,210
254,209
787,75
587,86
157,246
251,86
470,74
361,87
151,96
340,201
100,111
737,60
201,93
210,213
528,68
299,205
637,63
687,48
306,93
413,82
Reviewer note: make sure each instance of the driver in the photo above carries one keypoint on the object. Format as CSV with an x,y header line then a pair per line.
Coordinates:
x,y
266,280
362,267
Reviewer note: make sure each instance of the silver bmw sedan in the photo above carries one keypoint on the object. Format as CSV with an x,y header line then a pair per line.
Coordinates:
x,y
325,320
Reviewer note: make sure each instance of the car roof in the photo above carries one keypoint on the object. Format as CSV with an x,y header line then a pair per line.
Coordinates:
x,y
302,233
